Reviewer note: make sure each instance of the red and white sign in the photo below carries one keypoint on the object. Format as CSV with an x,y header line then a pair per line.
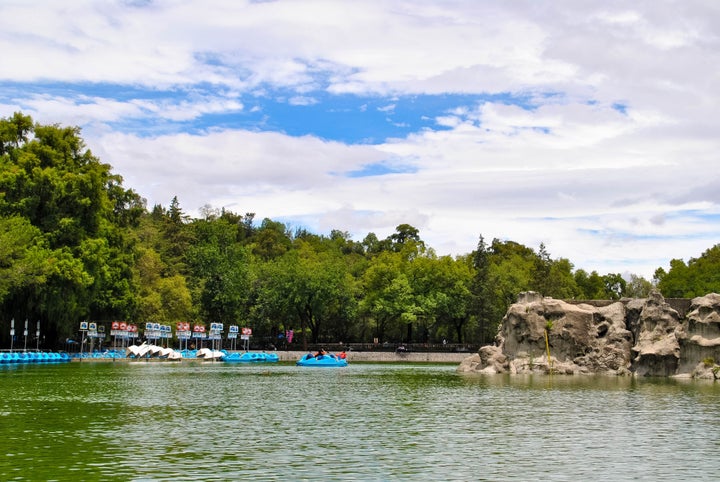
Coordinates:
x,y
115,325
122,326
246,331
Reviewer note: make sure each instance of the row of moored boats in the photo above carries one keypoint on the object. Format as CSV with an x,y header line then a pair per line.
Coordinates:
x,y
149,351
14,357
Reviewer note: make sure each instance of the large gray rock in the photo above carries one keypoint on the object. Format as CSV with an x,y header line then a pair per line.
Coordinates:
x,y
657,351
645,337
699,338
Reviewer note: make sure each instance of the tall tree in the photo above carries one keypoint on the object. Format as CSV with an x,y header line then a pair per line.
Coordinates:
x,y
220,267
406,238
49,178
482,296
271,240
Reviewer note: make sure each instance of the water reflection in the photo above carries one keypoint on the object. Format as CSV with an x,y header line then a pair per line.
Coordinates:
x,y
152,421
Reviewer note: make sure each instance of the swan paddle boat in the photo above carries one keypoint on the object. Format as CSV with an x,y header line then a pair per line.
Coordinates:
x,y
327,360
251,357
210,355
152,351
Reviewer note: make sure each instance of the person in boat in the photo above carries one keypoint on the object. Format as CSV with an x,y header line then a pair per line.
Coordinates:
x,y
321,353
342,355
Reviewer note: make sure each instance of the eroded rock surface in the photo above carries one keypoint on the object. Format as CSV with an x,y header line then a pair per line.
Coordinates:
x,y
643,337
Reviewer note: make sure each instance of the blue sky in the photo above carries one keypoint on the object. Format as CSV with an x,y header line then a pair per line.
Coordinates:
x,y
589,127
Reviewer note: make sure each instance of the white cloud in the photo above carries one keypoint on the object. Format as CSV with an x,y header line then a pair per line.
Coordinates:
x,y
609,163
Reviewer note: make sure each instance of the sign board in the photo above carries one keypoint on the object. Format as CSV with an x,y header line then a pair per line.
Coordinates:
x,y
125,330
83,325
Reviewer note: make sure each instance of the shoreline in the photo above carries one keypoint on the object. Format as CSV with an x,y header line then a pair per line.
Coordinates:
x,y
293,356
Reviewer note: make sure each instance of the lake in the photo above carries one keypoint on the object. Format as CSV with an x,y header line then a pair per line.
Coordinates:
x,y
142,421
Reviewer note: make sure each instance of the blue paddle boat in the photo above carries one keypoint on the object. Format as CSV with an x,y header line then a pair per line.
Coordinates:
x,y
33,357
251,357
328,360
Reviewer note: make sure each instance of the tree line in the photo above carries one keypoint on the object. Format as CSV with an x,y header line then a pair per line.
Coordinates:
x,y
75,244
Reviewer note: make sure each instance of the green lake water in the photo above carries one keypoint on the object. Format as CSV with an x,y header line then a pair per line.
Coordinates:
x,y
368,422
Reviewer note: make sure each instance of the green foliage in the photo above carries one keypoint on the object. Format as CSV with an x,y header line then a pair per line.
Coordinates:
x,y
14,132
307,288
442,288
22,255
219,268
482,301
73,260
75,244
510,272
271,240
385,293
698,277
614,285
638,287
591,286
161,298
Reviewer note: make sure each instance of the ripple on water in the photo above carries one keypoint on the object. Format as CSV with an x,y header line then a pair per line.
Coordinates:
x,y
364,422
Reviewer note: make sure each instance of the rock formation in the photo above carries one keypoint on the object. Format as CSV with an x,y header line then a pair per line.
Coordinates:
x,y
641,337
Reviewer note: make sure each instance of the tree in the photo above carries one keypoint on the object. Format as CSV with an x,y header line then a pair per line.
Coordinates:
x,y
482,297
388,296
177,237
614,286
81,211
14,132
219,265
406,239
638,287
22,253
442,295
591,286
314,287
561,282
271,240
542,265
510,273
698,277
161,298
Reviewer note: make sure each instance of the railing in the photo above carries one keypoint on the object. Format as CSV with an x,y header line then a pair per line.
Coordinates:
x,y
391,347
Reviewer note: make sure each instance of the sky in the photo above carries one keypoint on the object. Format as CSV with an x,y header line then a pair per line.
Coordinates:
x,y
591,127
